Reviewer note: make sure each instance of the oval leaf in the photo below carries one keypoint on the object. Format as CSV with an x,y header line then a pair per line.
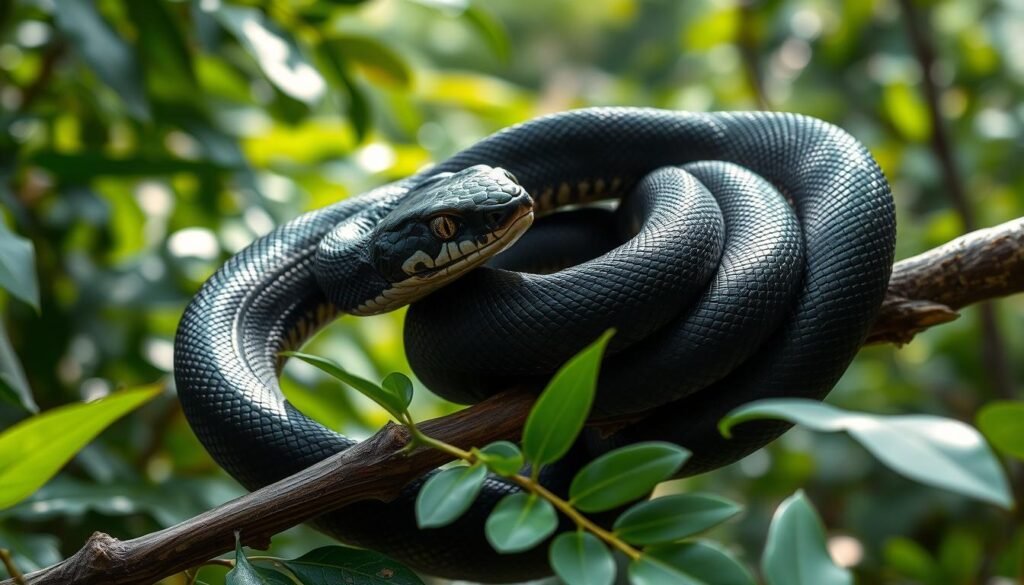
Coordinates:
x,y
18,267
558,416
275,51
936,451
244,573
358,109
448,494
519,522
688,563
386,399
796,552
691,563
34,450
673,517
624,475
378,62
580,558
400,385
106,53
339,564
1000,422
502,457
13,384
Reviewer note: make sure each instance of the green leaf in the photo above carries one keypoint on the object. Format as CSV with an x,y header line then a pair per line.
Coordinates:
x,y
448,494
13,385
1000,421
909,559
796,552
387,400
272,577
490,29
376,61
18,267
624,475
277,54
163,49
936,451
691,563
673,517
580,558
907,111
244,573
113,60
558,416
34,450
330,565
400,385
520,522
82,167
502,457
358,107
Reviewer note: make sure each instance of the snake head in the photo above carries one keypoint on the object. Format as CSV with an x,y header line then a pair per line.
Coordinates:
x,y
443,227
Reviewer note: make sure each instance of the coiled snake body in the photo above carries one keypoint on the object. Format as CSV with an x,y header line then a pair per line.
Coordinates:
x,y
746,260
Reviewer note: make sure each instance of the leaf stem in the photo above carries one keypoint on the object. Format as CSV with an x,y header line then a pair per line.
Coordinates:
x,y
575,515
418,438
530,484
12,569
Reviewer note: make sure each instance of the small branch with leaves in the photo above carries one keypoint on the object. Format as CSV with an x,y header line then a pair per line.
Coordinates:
x,y
924,291
524,520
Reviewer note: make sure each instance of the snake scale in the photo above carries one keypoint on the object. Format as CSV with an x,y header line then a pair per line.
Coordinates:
x,y
746,259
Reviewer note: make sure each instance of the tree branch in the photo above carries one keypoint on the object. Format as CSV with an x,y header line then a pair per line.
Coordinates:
x,y
925,290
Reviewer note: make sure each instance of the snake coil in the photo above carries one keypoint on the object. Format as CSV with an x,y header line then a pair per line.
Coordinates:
x,y
757,251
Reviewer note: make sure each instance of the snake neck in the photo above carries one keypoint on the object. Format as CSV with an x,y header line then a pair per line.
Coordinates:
x,y
348,261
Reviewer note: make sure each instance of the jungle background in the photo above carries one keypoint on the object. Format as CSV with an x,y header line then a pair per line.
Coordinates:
x,y
143,143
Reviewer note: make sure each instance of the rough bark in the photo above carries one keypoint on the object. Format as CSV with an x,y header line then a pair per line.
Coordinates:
x,y
924,291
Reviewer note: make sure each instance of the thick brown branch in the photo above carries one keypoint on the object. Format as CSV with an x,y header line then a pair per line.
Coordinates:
x,y
925,290
929,288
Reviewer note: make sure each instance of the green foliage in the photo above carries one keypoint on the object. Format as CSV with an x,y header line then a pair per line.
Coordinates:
x,y
13,385
339,564
34,450
502,457
324,566
795,553
393,395
18,267
558,416
520,522
448,494
243,573
580,558
1001,423
624,475
696,563
933,450
113,60
674,517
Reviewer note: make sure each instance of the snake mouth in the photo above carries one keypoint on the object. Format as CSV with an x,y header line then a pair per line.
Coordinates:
x,y
467,254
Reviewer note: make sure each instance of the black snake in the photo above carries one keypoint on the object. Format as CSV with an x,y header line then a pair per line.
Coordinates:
x,y
747,259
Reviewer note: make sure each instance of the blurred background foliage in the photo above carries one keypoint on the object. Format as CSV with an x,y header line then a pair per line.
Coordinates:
x,y
144,142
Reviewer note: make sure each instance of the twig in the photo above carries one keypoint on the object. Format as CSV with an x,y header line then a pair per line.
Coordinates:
x,y
12,569
746,42
993,345
924,291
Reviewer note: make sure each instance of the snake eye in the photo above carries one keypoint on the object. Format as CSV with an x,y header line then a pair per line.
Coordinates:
x,y
444,227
